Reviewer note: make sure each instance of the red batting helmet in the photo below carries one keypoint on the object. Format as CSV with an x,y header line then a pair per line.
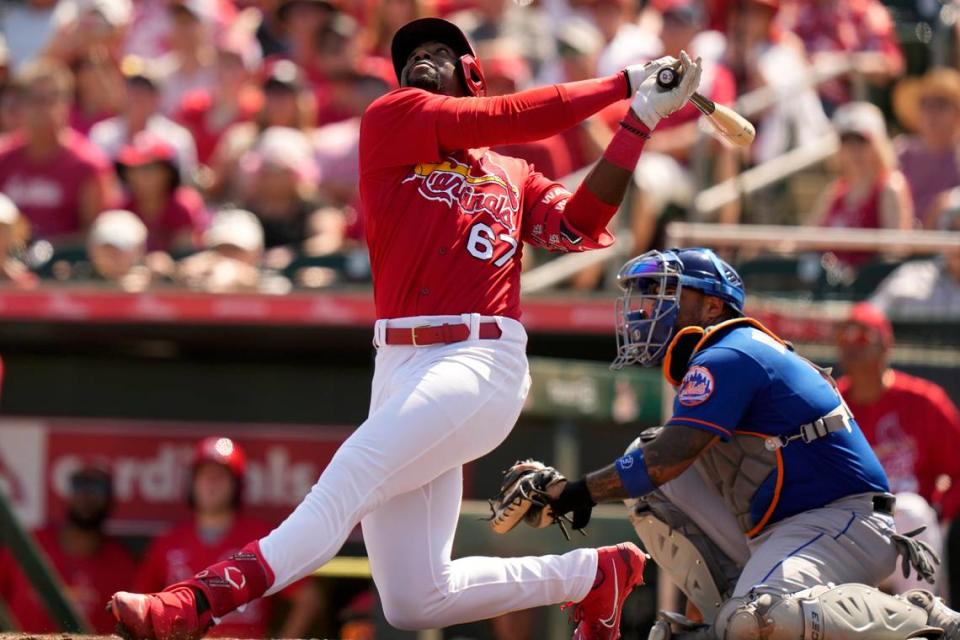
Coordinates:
x,y
413,34
224,451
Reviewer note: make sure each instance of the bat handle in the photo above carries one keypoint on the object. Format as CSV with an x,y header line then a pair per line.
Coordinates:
x,y
704,105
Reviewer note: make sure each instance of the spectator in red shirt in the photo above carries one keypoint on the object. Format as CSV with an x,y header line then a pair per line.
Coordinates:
x,y
207,113
288,102
869,192
219,529
58,179
861,30
91,564
173,213
911,423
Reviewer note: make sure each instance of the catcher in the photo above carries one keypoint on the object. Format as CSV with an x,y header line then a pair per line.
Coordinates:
x,y
760,497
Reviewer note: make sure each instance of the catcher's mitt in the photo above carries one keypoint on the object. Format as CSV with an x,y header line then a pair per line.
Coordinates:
x,y
524,496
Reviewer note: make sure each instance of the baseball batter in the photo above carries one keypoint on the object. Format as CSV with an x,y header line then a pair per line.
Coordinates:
x,y
760,497
446,219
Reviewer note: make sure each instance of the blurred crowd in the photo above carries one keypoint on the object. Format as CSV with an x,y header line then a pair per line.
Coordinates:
x,y
212,144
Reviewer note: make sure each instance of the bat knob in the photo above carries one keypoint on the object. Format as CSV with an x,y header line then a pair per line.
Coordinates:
x,y
668,78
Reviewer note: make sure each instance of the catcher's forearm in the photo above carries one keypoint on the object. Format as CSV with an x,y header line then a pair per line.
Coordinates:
x,y
605,485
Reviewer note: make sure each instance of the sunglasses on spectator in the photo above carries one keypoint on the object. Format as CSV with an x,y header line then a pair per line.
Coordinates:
x,y
851,137
45,97
90,486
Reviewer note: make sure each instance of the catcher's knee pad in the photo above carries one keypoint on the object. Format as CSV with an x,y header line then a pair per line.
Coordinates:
x,y
845,612
702,571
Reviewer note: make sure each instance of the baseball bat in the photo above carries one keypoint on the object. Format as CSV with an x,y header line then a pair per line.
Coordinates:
x,y
731,126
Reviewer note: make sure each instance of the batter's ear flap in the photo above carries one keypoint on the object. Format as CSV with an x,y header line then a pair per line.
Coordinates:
x,y
473,75
681,348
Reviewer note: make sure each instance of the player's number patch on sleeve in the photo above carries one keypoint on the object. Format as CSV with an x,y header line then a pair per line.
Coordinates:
x,y
696,387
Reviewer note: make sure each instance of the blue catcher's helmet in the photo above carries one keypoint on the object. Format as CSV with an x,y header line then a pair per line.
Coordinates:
x,y
647,310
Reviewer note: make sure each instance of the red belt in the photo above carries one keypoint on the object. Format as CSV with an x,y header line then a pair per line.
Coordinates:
x,y
440,334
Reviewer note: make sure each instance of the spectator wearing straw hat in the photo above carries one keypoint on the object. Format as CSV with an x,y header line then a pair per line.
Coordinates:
x,y
929,107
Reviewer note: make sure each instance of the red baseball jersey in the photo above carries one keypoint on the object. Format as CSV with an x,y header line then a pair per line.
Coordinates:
x,y
89,582
181,553
48,191
914,429
445,217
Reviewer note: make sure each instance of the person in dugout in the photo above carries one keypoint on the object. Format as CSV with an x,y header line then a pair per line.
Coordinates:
x,y
217,529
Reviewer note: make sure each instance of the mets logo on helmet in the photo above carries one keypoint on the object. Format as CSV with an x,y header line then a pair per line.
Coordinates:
x,y
696,387
454,183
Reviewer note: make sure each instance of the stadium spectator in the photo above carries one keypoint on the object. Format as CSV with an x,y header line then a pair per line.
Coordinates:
x,y
11,108
13,235
116,247
386,16
526,28
90,28
191,62
664,175
280,186
218,529
90,563
142,113
173,213
869,192
861,31
288,102
337,53
761,55
58,180
930,108
625,42
207,113
337,145
911,423
232,258
923,289
99,91
302,21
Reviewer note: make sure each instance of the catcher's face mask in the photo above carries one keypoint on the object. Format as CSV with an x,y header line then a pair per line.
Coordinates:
x,y
646,313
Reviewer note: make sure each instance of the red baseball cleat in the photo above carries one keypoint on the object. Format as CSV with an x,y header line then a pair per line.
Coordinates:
x,y
619,570
168,615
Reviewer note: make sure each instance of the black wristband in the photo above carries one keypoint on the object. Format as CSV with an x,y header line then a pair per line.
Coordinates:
x,y
637,132
574,496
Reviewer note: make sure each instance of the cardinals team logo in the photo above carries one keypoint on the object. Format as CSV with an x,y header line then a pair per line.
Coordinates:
x,y
453,182
696,387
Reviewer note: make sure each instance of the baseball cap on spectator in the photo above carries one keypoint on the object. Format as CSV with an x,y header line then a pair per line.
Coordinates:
x,y
234,227
910,93
865,120
284,75
284,148
866,325
118,228
145,149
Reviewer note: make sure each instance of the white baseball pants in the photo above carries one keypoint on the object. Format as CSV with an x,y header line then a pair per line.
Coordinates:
x,y
432,410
